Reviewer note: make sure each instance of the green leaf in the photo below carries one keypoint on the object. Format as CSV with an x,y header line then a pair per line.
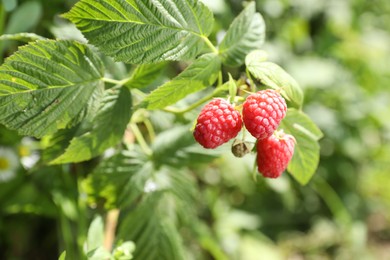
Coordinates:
x,y
98,254
168,199
232,87
307,150
106,131
144,75
120,177
144,31
200,74
272,75
177,147
124,251
62,256
152,230
246,33
256,56
95,236
47,85
24,18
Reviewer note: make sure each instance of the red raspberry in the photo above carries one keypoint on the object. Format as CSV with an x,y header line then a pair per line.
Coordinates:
x,y
274,153
218,122
262,112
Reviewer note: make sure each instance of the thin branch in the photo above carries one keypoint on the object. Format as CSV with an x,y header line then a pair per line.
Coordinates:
x,y
110,230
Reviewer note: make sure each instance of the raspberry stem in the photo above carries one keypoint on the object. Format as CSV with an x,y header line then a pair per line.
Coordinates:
x,y
140,139
116,82
251,82
209,44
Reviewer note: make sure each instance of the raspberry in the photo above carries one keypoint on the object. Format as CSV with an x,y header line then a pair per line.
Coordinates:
x,y
262,112
218,122
274,153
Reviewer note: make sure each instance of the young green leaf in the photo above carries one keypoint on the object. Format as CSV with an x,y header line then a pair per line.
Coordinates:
x,y
200,74
124,251
144,31
47,85
98,254
106,131
246,33
307,150
272,75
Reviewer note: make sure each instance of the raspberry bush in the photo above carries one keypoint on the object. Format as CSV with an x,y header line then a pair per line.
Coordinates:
x,y
100,108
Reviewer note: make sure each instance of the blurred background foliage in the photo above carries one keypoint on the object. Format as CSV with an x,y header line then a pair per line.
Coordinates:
x,y
339,53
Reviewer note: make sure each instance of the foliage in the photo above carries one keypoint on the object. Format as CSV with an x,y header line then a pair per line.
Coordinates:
x,y
112,154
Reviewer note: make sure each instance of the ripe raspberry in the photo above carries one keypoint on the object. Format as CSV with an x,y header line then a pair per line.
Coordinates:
x,y
274,153
218,122
262,112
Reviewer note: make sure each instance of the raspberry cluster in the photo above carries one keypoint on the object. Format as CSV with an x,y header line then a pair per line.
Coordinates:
x,y
262,112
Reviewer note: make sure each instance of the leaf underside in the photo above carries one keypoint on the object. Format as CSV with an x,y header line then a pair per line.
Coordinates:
x,y
307,150
272,75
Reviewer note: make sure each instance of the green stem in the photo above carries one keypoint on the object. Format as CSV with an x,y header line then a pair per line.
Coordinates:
x,y
117,82
149,127
210,44
332,200
253,86
220,78
82,218
67,236
140,139
189,108
2,20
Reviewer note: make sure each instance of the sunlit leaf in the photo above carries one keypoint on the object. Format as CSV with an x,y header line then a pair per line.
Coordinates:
x,y
144,31
106,130
199,75
246,33
47,85
145,74
272,75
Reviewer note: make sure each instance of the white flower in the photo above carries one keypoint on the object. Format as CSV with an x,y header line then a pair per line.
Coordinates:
x,y
27,152
9,163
